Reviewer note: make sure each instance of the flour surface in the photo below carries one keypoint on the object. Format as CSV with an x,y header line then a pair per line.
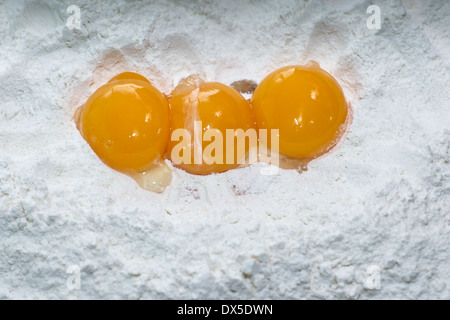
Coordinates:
x,y
369,220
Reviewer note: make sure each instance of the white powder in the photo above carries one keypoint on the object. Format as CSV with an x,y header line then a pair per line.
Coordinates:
x,y
375,209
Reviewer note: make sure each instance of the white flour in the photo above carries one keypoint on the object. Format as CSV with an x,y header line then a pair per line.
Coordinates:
x,y
375,209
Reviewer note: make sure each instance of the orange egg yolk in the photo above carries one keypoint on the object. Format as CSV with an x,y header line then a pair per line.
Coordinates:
x,y
126,122
306,104
219,108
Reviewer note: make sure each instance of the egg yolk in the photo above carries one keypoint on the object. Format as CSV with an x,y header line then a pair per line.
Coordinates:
x,y
129,76
126,122
306,104
218,107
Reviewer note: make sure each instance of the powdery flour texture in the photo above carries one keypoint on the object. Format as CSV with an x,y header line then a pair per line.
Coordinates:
x,y
369,220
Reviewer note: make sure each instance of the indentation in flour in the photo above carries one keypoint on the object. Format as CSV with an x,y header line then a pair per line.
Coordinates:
x,y
39,18
244,86
327,36
111,63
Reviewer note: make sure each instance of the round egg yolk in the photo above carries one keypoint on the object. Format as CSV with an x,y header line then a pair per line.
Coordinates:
x,y
218,107
306,104
129,76
126,122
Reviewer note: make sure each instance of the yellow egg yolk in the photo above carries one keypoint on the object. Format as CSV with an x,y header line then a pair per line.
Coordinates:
x,y
218,107
126,122
306,104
